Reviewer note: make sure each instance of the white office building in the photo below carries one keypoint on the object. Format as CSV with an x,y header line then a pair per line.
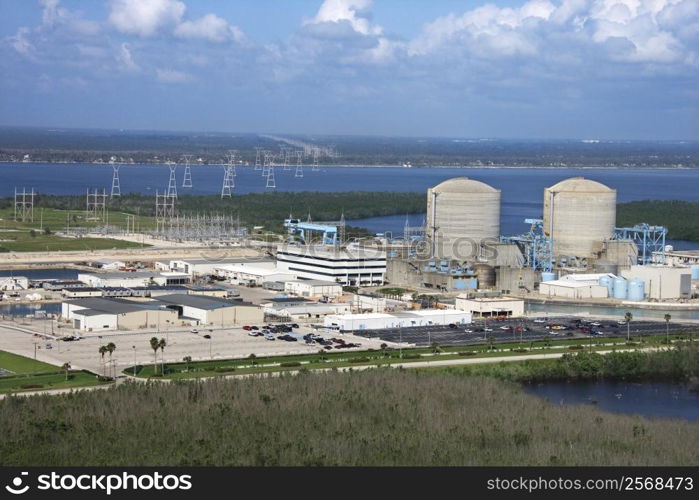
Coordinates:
x,y
313,288
353,266
377,321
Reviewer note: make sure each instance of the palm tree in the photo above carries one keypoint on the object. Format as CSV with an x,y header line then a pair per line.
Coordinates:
x,y
667,328
161,345
103,350
155,345
111,347
187,360
66,368
628,317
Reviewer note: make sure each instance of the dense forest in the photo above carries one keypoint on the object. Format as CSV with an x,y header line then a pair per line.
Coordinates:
x,y
681,218
70,145
376,417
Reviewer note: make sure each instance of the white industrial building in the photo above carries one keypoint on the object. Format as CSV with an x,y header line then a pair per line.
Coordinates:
x,y
486,307
353,266
377,321
662,282
108,264
253,273
202,267
313,288
311,311
206,310
95,314
12,283
133,279
587,278
571,289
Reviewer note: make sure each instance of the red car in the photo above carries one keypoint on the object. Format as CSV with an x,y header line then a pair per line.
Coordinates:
x,y
246,327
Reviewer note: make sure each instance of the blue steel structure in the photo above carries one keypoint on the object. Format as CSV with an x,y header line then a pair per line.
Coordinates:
x,y
300,229
648,239
536,247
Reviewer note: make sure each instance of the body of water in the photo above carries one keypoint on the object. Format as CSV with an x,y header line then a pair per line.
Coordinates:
x,y
638,313
522,188
655,399
43,274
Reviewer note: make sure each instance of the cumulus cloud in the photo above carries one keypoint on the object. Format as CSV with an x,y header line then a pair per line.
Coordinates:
x,y
145,17
209,27
125,59
349,12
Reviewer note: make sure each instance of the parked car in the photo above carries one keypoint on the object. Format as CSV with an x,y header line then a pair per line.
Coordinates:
x,y
194,330
252,334
294,325
539,320
269,336
247,327
207,336
254,328
452,325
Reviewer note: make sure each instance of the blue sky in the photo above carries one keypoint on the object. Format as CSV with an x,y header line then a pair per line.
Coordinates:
x,y
610,69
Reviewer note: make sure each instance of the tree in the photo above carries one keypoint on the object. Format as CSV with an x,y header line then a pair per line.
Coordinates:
x,y
32,233
435,347
667,328
47,230
161,345
155,345
628,317
187,360
103,350
252,359
111,347
66,368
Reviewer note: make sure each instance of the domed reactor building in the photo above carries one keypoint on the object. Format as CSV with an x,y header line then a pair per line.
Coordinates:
x,y
461,214
579,215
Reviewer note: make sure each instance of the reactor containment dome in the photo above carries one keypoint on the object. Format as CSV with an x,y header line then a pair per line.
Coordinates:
x,y
579,214
462,214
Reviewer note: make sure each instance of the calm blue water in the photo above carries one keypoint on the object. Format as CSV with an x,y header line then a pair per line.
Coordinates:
x,y
647,399
522,188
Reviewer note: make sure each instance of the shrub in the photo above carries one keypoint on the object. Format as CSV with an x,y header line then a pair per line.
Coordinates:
x,y
411,356
289,364
223,369
359,360
102,378
520,349
576,347
31,386
467,353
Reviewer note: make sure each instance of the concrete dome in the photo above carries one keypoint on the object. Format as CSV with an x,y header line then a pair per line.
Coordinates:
x,y
461,215
463,185
581,185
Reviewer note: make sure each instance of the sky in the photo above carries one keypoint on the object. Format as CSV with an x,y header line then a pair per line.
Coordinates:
x,y
537,69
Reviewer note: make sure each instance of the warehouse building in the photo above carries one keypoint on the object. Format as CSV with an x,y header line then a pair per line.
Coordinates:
x,y
311,311
249,273
203,267
94,314
211,310
662,282
133,279
12,283
571,289
375,321
487,307
353,266
313,288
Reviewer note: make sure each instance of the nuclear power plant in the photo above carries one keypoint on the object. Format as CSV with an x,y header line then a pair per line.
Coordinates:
x,y
574,249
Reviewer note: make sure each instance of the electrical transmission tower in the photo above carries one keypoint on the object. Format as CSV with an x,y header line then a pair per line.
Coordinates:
x,y
228,176
271,183
164,210
299,164
95,207
24,205
316,156
258,159
116,186
267,163
172,184
187,181
287,152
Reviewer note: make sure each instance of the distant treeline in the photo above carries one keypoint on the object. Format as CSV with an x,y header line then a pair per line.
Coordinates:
x,y
681,218
260,209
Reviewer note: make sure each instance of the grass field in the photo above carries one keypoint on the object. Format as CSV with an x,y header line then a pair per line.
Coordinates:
x,y
368,418
19,365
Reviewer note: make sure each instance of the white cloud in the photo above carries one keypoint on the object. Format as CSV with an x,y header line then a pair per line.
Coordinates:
x,y
20,42
209,27
145,17
349,11
125,59
172,76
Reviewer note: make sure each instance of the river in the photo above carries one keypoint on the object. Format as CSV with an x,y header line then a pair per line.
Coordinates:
x,y
650,399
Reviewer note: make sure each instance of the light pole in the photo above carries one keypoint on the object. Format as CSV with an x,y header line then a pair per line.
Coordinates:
x,y
134,360
210,356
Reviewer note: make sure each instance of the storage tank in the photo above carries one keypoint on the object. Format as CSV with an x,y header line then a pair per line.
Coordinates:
x,y
578,215
461,213
485,274
637,290
621,288
607,282
547,277
695,272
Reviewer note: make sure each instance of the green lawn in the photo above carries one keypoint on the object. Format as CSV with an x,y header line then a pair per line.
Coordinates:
x,y
20,365
21,383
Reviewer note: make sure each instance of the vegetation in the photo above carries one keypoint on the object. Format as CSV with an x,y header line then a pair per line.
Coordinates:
x,y
680,364
681,218
20,365
377,417
61,378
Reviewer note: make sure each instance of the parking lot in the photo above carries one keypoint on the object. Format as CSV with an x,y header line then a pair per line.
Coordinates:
x,y
134,347
516,329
